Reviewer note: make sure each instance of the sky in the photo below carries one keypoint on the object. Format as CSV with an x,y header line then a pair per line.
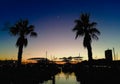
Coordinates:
x,y
54,21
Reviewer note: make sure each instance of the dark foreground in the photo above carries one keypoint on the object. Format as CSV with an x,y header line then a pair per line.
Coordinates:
x,y
97,73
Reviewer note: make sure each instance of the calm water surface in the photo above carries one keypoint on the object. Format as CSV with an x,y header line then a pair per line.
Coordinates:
x,y
63,78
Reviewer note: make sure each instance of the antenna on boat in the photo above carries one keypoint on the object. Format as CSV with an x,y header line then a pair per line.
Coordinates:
x,y
114,54
79,54
46,56
117,56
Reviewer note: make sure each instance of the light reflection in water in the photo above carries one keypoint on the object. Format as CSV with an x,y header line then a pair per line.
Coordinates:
x,y
63,78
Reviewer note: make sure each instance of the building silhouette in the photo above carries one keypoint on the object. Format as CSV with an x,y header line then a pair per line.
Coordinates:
x,y
108,55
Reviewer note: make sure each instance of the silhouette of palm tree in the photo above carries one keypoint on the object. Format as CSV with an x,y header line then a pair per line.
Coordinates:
x,y
22,29
86,29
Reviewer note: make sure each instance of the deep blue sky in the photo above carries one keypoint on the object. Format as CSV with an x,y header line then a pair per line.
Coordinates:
x,y
54,20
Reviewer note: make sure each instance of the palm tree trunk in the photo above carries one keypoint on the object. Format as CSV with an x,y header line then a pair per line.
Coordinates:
x,y
20,51
90,59
89,48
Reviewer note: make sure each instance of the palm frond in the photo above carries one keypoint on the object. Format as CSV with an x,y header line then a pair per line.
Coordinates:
x,y
84,43
33,34
94,36
14,31
76,28
77,34
25,23
77,21
29,29
94,30
85,18
93,24
25,42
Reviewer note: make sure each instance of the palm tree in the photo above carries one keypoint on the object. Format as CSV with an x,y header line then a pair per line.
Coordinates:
x,y
22,29
86,29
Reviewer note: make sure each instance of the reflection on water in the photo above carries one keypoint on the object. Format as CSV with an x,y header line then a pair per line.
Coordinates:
x,y
59,74
63,78
51,74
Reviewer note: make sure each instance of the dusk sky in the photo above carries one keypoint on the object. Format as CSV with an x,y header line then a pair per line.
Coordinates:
x,y
54,21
